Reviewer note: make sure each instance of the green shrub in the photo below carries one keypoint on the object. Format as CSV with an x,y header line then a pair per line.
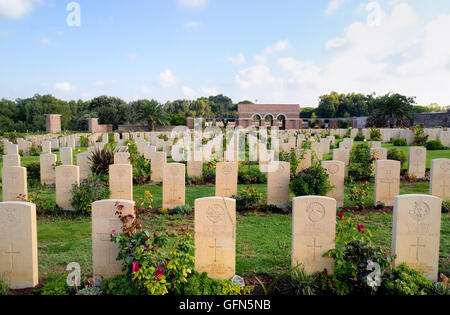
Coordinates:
x,y
90,190
201,284
375,134
420,138
247,199
184,209
35,151
359,137
445,206
120,285
272,209
159,263
56,284
301,283
84,142
251,175
434,145
397,155
358,193
3,287
34,174
311,182
400,142
407,281
331,285
361,162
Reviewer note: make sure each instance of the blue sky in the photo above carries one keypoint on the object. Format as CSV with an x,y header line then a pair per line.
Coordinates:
x,y
285,51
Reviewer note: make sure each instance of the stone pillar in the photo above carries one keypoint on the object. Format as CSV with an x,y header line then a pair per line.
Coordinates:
x,y
53,123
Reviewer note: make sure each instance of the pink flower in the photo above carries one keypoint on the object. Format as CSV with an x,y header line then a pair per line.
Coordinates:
x,y
135,267
360,227
248,187
113,233
159,272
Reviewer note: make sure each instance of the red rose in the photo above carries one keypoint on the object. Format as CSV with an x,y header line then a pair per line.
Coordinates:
x,y
341,215
360,227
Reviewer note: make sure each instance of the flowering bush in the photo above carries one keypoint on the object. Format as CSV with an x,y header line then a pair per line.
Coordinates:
x,y
361,162
375,134
420,138
145,202
158,263
358,193
247,199
407,281
251,175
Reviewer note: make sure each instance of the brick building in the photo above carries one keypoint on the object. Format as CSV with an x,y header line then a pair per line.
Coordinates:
x,y
285,116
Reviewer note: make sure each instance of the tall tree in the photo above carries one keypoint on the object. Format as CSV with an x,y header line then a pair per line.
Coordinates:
x,y
152,112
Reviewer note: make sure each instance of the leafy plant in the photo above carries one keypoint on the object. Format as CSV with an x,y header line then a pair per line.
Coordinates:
x,y
360,137
183,209
434,145
397,155
420,138
201,284
247,199
34,174
101,159
251,176
56,284
311,182
274,282
445,206
3,286
361,162
407,281
159,263
120,285
358,193
442,288
90,190
375,134
400,142
301,283
84,142
90,291
43,206
145,202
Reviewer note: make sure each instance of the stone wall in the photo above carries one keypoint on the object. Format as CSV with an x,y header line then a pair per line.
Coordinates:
x,y
431,120
94,127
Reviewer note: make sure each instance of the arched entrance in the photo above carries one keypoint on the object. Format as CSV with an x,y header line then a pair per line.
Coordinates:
x,y
257,120
282,122
269,120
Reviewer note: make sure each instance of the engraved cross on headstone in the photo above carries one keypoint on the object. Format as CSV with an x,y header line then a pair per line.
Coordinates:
x,y
11,253
389,180
417,246
314,246
445,186
215,247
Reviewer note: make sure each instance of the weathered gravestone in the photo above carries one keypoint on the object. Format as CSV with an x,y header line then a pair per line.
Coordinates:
x,y
46,147
14,183
416,162
66,177
12,149
158,164
195,168
226,179
11,160
105,222
173,185
84,163
387,181
278,179
121,181
122,158
215,237
48,164
416,233
313,233
18,244
379,153
305,157
65,156
336,175
440,178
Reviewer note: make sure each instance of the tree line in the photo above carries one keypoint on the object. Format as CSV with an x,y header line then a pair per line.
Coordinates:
x,y
28,114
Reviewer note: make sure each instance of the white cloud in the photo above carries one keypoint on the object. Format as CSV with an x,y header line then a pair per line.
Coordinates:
x,y
254,76
333,5
238,59
401,54
63,87
279,46
209,91
167,79
17,8
192,25
188,92
194,3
